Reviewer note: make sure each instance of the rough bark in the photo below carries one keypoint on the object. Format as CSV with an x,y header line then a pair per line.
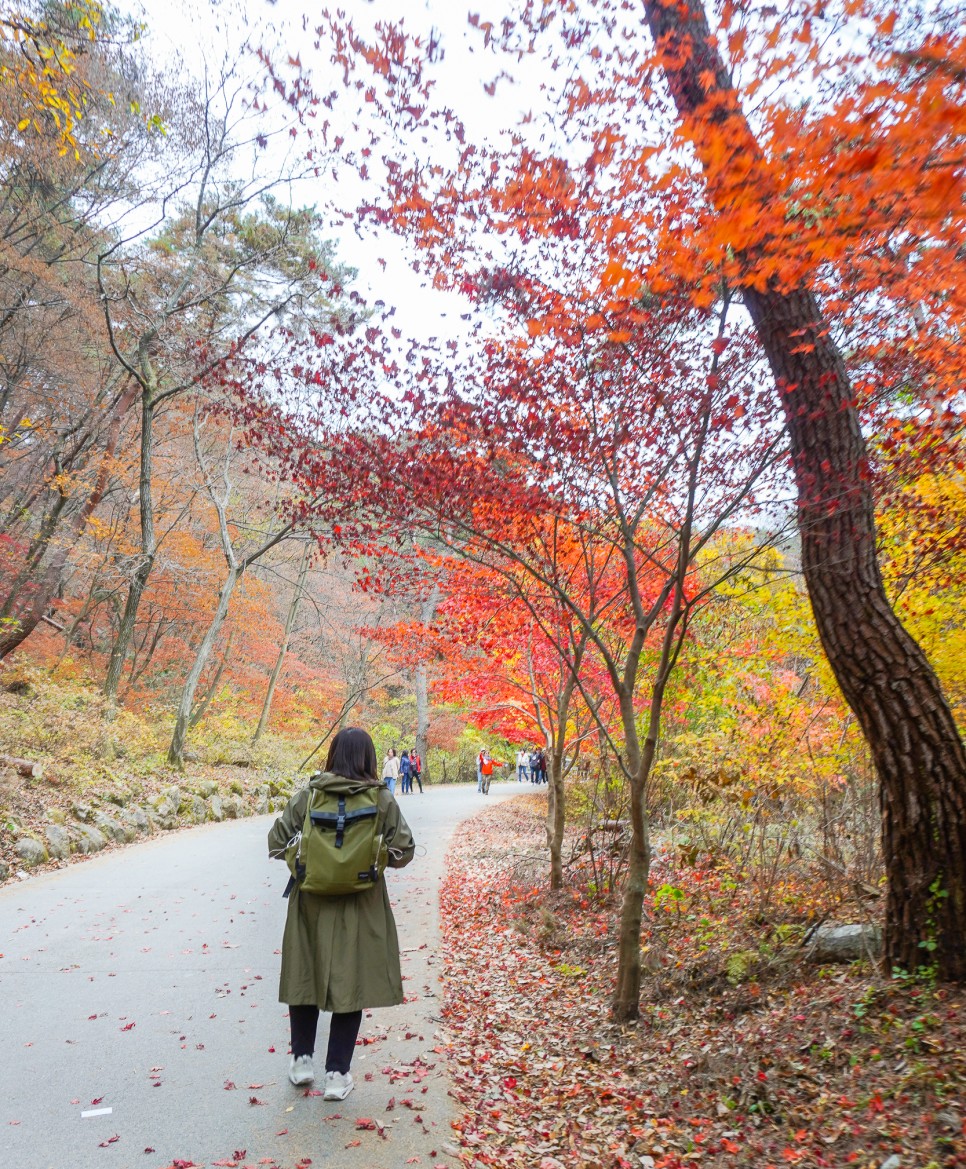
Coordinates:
x,y
882,671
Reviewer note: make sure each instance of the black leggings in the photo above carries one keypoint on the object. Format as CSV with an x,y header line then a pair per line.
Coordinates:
x,y
343,1032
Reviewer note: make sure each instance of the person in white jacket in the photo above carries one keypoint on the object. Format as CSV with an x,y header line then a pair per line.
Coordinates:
x,y
390,770
523,766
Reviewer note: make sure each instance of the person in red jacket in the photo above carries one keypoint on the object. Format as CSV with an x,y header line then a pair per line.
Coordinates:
x,y
487,766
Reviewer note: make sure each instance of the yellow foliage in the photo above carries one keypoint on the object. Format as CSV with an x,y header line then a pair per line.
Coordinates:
x,y
41,69
924,566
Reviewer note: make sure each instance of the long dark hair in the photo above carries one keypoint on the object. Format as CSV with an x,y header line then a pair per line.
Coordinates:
x,y
352,754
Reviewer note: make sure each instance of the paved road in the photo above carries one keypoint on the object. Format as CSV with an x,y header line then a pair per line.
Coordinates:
x,y
141,988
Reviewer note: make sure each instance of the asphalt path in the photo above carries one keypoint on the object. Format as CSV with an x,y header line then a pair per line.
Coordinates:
x,y
140,1016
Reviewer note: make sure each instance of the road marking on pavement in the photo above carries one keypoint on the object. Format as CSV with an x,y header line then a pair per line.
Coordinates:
x,y
97,1112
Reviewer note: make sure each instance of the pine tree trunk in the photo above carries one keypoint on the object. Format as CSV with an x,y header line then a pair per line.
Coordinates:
x,y
882,671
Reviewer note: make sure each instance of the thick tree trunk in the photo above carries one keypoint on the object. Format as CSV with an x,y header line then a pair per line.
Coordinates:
x,y
883,673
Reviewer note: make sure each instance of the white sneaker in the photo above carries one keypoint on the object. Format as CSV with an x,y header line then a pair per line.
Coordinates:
x,y
338,1085
300,1071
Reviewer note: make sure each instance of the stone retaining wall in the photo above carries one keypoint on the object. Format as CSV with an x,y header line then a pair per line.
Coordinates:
x,y
115,817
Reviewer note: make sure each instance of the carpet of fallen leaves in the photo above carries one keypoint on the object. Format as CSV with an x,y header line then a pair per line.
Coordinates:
x,y
742,1056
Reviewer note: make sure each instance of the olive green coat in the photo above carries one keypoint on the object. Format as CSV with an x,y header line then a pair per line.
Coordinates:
x,y
342,953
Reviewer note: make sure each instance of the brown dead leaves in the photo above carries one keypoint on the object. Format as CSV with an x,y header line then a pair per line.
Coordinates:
x,y
820,1068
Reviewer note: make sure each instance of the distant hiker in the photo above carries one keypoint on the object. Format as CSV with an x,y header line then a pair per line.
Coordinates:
x,y
523,766
417,766
390,770
340,953
541,766
534,766
406,773
479,769
486,770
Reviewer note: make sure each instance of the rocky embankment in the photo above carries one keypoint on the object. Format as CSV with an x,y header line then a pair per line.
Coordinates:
x,y
36,835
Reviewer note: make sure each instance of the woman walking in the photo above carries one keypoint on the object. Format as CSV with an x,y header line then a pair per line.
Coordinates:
x,y
390,770
339,953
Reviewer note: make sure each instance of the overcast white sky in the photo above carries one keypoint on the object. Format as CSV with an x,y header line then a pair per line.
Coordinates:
x,y
179,29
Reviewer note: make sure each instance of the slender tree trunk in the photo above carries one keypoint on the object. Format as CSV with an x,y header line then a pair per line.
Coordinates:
x,y
202,708
422,718
556,805
883,673
183,715
283,648
426,614
556,820
39,546
626,1003
29,616
125,632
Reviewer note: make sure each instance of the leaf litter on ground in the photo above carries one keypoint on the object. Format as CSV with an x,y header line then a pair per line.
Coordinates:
x,y
782,1064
